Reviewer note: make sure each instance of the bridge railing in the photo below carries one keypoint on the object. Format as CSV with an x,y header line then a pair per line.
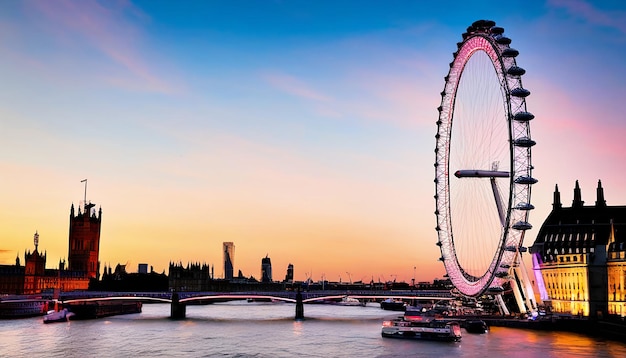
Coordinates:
x,y
435,294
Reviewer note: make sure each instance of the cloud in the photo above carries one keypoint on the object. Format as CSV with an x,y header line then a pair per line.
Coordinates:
x,y
6,256
559,111
294,86
593,15
110,29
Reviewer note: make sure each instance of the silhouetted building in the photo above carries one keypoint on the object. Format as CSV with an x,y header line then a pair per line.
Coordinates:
x,y
12,278
266,269
229,260
35,266
121,281
84,240
33,277
289,275
195,277
83,265
579,257
142,268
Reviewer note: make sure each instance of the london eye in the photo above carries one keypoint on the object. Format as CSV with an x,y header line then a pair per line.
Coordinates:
x,y
483,167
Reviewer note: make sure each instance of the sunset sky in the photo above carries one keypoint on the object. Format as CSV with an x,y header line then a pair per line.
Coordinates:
x,y
301,130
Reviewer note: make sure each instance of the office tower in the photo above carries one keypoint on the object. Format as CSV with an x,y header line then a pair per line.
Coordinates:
x,y
289,276
266,269
229,259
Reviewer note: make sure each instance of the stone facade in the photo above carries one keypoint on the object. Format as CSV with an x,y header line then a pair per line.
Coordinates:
x,y
578,257
84,245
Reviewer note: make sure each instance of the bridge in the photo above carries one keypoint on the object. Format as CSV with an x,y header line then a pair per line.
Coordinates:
x,y
180,300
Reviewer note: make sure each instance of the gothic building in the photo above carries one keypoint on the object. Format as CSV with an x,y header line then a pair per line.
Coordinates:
x,y
579,257
83,265
195,277
84,240
35,266
35,278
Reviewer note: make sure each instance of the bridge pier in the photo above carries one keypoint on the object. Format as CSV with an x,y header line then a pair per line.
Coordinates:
x,y
178,310
299,306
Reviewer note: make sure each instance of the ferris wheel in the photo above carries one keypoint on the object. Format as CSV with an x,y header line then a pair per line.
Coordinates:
x,y
483,140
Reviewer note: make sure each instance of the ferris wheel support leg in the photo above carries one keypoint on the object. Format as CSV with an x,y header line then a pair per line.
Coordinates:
x,y
498,198
502,306
529,293
518,296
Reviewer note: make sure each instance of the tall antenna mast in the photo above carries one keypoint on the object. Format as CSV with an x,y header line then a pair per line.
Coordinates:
x,y
85,181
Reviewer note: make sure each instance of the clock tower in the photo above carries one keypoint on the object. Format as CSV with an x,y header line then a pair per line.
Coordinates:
x,y
84,240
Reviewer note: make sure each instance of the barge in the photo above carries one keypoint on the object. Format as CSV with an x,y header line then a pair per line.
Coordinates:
x,y
418,324
99,309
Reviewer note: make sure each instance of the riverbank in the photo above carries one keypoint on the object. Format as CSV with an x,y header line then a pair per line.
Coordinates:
x,y
606,329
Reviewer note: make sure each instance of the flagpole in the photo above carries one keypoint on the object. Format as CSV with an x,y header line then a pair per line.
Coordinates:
x,y
85,181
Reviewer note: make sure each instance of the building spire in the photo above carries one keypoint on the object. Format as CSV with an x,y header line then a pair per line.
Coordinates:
x,y
600,202
36,240
556,202
577,203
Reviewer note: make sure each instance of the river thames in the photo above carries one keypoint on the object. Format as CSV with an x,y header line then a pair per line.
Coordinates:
x,y
242,329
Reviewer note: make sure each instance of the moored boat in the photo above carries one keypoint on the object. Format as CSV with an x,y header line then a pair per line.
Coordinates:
x,y
416,324
393,305
476,326
99,309
22,308
58,316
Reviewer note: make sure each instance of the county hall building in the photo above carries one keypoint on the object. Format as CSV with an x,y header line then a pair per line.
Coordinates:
x,y
579,257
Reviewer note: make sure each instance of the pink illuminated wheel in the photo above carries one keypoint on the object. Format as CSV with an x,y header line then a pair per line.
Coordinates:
x,y
483,163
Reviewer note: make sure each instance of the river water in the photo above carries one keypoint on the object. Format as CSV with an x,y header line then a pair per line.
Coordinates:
x,y
242,329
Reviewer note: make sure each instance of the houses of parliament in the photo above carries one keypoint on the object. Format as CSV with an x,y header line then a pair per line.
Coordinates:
x,y
82,261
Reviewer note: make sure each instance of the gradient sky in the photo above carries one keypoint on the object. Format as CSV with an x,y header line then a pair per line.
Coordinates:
x,y
302,130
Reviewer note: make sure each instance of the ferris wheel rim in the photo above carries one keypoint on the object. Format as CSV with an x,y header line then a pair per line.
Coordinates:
x,y
485,36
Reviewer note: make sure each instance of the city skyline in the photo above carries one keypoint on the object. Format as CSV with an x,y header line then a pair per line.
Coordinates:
x,y
303,131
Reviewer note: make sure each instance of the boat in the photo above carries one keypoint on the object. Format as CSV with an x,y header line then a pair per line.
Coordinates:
x,y
58,316
350,301
393,305
99,309
421,324
476,326
22,308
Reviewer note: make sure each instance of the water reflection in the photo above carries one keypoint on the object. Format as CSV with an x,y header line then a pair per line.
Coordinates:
x,y
270,331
